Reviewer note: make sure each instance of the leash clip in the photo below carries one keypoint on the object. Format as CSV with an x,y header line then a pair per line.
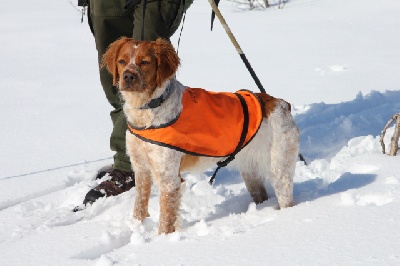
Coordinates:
x,y
83,13
221,164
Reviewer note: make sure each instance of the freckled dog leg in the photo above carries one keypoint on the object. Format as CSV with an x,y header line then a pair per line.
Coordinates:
x,y
143,189
283,164
283,187
284,151
255,185
281,176
170,198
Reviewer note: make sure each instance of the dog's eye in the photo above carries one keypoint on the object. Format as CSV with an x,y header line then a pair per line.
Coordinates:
x,y
144,62
122,62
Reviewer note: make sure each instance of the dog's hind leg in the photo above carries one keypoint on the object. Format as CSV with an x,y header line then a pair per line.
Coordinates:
x,y
284,151
255,185
283,186
143,189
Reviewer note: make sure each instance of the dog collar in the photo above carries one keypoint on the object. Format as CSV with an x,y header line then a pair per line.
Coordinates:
x,y
154,103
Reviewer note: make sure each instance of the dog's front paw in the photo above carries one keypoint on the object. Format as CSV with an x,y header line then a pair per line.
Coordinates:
x,y
166,228
140,214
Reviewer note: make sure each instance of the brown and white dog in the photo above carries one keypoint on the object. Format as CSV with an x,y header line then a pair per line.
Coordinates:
x,y
143,71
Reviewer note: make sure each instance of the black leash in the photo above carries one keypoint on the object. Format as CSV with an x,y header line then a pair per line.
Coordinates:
x,y
238,148
217,12
84,4
234,42
180,34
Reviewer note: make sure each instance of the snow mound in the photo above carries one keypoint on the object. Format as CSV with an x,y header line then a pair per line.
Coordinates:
x,y
325,128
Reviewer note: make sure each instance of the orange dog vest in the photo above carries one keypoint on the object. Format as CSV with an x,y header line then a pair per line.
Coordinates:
x,y
210,124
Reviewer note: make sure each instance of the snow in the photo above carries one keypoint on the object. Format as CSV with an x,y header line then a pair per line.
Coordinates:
x,y
337,62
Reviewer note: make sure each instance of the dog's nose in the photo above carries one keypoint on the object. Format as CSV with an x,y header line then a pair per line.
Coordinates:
x,y
129,77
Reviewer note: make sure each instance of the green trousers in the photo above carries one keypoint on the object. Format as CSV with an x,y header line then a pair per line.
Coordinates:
x,y
109,21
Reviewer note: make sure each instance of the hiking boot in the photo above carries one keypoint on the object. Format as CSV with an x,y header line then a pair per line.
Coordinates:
x,y
120,182
104,170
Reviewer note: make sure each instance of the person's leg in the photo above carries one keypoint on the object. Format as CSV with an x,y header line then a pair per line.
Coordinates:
x,y
162,18
110,21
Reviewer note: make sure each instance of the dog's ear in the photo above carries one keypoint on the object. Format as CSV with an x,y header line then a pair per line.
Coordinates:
x,y
167,60
109,59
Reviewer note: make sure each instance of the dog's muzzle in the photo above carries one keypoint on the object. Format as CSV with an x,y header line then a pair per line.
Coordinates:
x,y
129,77
131,80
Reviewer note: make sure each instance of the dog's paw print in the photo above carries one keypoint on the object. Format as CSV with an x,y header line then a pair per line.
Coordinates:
x,y
370,199
202,228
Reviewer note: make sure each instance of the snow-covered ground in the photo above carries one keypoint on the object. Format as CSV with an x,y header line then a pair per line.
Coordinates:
x,y
336,61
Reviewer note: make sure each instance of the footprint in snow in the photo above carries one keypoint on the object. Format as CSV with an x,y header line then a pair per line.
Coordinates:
x,y
370,199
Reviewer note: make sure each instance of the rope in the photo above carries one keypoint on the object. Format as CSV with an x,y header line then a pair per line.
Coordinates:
x,y
55,168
